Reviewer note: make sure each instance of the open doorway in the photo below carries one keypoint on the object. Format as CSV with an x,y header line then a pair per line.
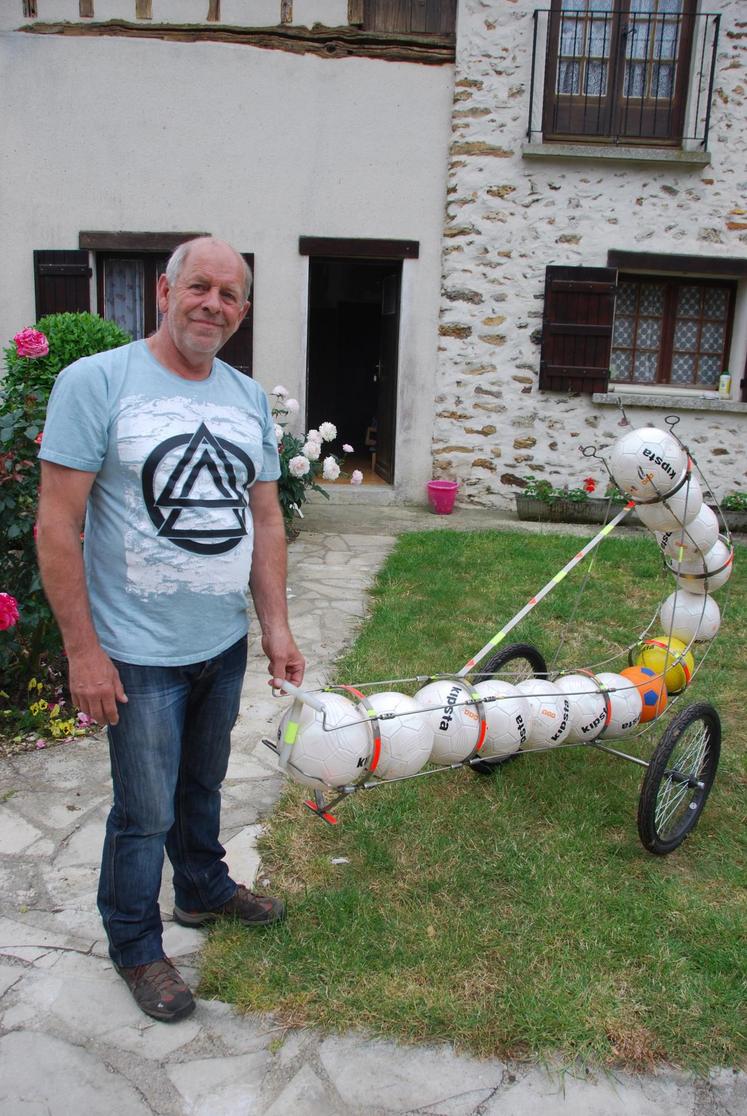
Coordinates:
x,y
352,357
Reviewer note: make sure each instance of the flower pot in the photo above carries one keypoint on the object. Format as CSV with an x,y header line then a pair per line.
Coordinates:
x,y
441,495
594,510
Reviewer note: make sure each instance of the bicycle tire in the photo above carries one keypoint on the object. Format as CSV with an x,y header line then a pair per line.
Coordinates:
x,y
515,652
679,778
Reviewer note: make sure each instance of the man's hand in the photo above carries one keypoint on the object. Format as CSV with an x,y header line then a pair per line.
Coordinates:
x,y
95,685
285,661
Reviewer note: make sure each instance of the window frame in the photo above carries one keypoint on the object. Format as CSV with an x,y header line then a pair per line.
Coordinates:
x,y
613,108
672,285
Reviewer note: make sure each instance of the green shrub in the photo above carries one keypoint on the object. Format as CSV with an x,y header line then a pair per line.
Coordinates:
x,y
32,648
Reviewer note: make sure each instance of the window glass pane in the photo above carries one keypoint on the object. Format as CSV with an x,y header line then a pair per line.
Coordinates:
x,y
599,39
635,77
645,367
665,40
123,294
715,302
623,331
709,370
595,84
686,335
683,368
625,301
712,338
572,37
637,39
649,333
620,365
652,298
689,302
662,82
569,74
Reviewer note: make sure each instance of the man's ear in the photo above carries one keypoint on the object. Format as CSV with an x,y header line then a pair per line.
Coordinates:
x,y
244,311
162,292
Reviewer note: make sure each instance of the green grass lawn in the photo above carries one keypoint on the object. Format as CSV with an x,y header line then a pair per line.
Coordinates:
x,y
516,914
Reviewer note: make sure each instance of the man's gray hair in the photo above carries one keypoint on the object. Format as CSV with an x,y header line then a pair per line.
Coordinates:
x,y
179,255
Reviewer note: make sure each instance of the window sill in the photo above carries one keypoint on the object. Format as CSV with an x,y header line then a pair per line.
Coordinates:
x,y
670,156
667,399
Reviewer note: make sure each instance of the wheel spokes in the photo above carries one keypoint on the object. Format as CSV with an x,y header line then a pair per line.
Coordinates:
x,y
687,765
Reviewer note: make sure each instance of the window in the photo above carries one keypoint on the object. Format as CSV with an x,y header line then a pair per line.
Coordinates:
x,y
619,72
125,285
424,17
127,290
671,331
606,325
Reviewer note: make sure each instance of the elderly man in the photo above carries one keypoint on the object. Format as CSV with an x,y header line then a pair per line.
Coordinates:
x,y
171,455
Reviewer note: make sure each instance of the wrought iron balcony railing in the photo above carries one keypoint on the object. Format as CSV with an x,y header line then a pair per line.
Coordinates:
x,y
623,76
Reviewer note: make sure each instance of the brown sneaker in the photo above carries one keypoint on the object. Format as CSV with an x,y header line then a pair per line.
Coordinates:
x,y
254,910
158,990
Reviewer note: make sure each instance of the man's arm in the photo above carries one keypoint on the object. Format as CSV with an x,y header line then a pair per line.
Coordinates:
x,y
268,583
95,686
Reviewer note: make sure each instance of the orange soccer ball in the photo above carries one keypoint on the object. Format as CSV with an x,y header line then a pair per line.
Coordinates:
x,y
651,687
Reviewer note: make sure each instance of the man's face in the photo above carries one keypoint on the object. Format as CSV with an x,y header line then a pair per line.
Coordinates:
x,y
206,304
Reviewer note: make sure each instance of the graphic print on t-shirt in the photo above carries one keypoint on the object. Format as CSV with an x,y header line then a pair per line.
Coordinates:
x,y
203,476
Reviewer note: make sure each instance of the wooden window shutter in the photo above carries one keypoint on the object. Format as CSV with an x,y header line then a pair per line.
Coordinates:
x,y
577,328
61,281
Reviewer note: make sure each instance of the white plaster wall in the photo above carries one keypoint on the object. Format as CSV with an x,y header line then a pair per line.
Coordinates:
x,y
509,217
255,146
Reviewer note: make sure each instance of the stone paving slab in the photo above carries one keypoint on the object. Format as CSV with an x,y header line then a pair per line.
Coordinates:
x,y
72,1039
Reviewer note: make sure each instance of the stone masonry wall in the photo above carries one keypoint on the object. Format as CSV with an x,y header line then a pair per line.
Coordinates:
x,y
507,217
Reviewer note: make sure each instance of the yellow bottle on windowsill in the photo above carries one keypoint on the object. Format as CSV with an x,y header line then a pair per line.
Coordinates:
x,y
724,385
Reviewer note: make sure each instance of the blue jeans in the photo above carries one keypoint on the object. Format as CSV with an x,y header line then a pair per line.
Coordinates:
x,y
169,754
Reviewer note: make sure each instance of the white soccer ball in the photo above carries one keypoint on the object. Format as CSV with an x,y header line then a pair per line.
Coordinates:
x,y
690,616
676,510
695,539
717,564
626,704
551,713
508,717
647,462
454,725
588,707
406,738
327,753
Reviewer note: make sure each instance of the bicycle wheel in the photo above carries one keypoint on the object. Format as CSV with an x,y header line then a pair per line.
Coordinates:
x,y
679,778
528,663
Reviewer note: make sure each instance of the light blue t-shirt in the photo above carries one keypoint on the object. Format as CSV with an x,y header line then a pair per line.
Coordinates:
x,y
168,533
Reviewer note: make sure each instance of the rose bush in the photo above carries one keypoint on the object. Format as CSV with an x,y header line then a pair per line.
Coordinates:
x,y
31,648
302,462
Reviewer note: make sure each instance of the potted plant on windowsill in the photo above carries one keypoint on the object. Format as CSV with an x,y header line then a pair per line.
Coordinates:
x,y
544,502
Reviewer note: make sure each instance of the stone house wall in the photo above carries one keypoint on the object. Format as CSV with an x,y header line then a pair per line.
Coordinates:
x,y
509,216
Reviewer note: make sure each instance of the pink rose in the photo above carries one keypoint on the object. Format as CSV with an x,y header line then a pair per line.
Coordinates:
x,y
8,611
31,343
357,477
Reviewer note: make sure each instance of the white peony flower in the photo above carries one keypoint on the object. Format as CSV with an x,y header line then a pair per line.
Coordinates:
x,y
347,449
292,405
299,466
357,477
314,436
328,431
278,432
281,392
330,469
312,450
